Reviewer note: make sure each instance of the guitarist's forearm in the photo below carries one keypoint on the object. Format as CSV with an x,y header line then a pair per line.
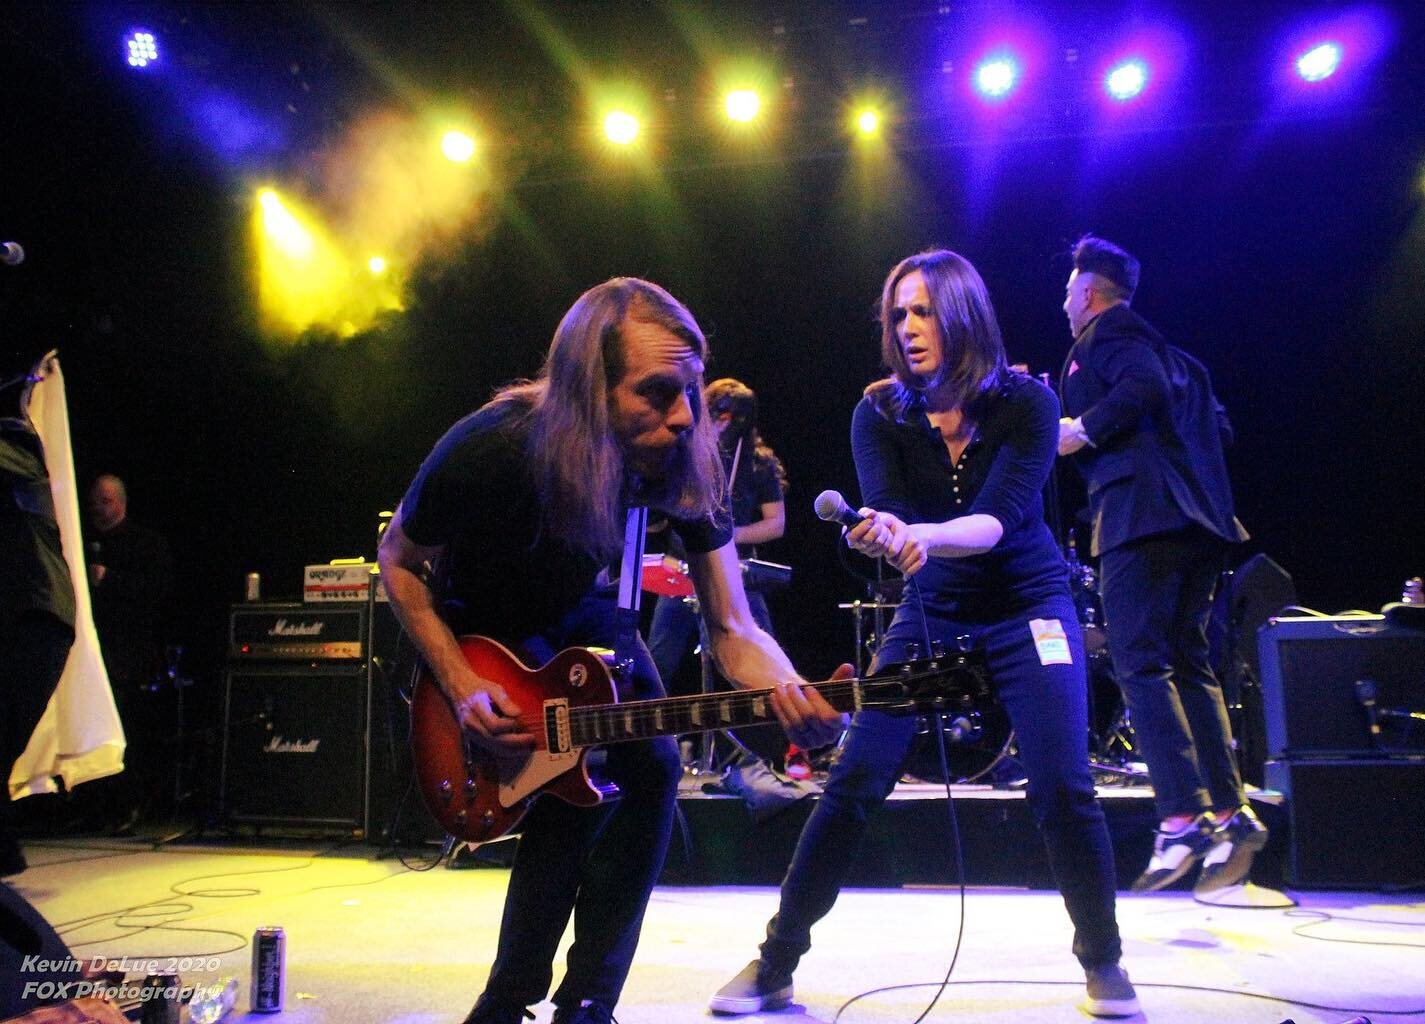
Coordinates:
x,y
750,657
414,606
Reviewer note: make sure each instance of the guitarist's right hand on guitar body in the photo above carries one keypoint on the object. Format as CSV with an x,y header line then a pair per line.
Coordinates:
x,y
488,714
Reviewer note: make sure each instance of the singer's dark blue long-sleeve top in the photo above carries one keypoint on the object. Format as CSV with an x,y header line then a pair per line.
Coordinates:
x,y
904,468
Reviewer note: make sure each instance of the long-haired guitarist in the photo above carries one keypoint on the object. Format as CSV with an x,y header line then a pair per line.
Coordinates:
x,y
516,511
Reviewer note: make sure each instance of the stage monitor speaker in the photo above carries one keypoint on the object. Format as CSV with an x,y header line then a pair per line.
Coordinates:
x,y
294,746
1314,709
1354,824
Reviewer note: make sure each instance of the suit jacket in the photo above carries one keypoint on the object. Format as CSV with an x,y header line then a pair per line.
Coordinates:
x,y
1157,433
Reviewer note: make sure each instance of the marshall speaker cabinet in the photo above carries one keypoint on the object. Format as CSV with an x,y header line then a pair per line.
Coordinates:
x,y
296,717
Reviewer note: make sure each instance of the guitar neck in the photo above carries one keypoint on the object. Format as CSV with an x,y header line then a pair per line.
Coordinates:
x,y
669,716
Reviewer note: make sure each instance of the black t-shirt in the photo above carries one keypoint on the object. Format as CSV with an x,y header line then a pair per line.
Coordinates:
x,y
502,575
904,468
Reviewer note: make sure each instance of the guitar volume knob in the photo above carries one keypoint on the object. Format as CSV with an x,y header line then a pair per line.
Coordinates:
x,y
447,791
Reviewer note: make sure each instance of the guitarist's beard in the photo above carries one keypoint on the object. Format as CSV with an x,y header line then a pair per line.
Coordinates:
x,y
662,489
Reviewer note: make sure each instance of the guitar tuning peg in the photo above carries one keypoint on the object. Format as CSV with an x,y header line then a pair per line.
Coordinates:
x,y
964,644
937,648
912,650
922,725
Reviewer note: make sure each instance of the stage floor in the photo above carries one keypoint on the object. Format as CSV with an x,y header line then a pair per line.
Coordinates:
x,y
370,941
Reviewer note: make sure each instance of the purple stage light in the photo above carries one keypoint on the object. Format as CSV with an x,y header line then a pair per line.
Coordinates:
x,y
1127,80
1339,47
1319,62
141,48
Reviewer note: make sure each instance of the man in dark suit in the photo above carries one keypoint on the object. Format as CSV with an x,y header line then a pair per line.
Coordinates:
x,y
1148,434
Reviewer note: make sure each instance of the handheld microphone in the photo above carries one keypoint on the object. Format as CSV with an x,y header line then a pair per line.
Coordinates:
x,y
12,254
832,507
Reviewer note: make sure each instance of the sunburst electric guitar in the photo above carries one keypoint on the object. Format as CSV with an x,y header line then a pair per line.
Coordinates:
x,y
571,706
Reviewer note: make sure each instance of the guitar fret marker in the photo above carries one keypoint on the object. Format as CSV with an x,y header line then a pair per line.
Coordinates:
x,y
759,706
724,709
695,712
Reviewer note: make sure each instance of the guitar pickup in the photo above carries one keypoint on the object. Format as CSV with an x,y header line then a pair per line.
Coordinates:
x,y
556,726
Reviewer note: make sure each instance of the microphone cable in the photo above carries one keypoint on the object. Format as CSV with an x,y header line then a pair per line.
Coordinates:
x,y
938,718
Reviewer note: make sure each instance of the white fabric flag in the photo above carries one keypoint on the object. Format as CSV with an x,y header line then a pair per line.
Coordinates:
x,y
80,737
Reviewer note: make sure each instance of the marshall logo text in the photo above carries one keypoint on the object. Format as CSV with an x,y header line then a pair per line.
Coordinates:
x,y
284,628
277,745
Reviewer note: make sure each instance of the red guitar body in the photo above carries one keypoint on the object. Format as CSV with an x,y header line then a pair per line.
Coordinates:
x,y
462,785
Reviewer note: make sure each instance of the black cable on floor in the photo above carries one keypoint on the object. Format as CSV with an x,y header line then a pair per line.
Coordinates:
x,y
960,877
1320,917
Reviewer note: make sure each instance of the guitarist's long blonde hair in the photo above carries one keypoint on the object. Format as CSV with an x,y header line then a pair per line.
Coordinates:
x,y
575,459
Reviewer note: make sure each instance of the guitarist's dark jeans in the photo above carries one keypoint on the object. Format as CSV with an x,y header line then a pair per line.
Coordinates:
x,y
1047,705
598,864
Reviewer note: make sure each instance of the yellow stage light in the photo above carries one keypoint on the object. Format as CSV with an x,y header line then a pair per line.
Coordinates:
x,y
868,123
457,147
377,265
286,232
621,127
742,105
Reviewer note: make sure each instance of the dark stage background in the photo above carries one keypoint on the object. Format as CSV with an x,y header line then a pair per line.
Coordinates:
x,y
1286,253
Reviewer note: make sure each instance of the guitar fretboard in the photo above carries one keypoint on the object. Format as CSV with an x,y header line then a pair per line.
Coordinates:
x,y
699,713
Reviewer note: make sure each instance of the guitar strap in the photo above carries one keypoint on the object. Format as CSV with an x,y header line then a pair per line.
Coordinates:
x,y
630,585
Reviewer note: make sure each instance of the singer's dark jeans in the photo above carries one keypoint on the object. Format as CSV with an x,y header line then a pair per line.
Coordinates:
x,y
1047,705
598,864
1157,598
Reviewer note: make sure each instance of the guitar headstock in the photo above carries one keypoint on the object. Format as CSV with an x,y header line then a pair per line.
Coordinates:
x,y
945,682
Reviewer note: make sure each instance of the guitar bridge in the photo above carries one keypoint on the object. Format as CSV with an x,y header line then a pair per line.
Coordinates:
x,y
556,726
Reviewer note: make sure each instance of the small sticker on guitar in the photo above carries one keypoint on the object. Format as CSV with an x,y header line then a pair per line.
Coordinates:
x,y
1050,642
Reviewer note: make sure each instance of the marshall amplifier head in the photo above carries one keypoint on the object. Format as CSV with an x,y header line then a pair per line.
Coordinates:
x,y
297,632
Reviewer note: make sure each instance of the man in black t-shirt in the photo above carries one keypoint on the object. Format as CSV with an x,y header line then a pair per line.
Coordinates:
x,y
516,511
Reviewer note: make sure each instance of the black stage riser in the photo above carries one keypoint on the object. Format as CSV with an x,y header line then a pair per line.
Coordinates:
x,y
908,842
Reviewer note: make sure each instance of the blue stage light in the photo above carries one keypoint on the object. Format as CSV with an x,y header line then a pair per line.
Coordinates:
x,y
1319,62
1127,80
141,48
995,78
